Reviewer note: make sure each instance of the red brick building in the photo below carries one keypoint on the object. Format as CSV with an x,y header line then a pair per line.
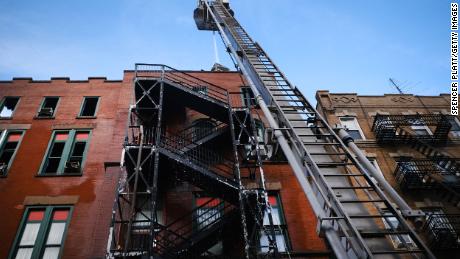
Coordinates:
x,y
60,151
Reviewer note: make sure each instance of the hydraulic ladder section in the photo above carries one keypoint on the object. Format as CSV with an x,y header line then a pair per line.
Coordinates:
x,y
355,215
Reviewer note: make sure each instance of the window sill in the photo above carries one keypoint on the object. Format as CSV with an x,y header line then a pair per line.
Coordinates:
x,y
60,175
44,118
6,118
86,117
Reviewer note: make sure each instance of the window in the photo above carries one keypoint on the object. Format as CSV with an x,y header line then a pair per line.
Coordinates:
x,y
455,129
48,107
208,212
8,106
66,152
421,130
399,241
42,232
200,89
89,107
9,143
260,130
248,97
352,127
279,225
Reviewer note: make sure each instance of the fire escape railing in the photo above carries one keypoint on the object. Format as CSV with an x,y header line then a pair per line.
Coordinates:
x,y
397,128
443,231
418,174
184,79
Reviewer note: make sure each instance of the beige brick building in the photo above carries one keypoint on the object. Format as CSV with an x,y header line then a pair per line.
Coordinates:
x,y
415,144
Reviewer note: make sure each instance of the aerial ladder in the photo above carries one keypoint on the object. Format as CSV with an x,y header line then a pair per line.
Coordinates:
x,y
359,216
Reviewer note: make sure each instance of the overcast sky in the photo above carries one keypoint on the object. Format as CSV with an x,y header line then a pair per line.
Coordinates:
x,y
342,46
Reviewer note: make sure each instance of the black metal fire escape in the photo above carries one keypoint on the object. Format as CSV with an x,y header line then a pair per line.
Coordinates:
x,y
438,172
136,231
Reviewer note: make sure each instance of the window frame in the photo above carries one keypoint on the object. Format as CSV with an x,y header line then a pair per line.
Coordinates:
x,y
15,107
252,101
66,153
260,128
3,141
43,232
396,239
37,116
356,123
79,116
280,228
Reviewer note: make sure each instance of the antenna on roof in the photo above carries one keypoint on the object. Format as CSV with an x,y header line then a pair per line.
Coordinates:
x,y
392,81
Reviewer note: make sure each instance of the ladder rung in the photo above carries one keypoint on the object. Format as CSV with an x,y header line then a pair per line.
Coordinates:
x,y
343,175
398,251
352,187
328,153
370,216
319,143
360,201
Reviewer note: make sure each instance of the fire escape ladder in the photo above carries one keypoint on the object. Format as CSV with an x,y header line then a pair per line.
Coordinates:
x,y
353,212
193,234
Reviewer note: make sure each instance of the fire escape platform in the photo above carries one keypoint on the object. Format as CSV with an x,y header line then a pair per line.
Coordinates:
x,y
199,98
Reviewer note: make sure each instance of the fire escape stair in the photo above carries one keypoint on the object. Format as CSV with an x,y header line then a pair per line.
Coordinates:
x,y
178,240
192,140
202,168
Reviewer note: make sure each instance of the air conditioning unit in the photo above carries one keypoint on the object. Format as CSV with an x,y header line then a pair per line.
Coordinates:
x,y
72,166
46,112
3,168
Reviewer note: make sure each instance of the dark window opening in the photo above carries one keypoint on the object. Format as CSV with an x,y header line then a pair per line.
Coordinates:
x,y
48,107
8,106
89,107
248,97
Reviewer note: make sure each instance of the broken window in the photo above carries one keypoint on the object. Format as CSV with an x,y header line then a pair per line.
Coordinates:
x,y
48,107
89,107
66,152
8,106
